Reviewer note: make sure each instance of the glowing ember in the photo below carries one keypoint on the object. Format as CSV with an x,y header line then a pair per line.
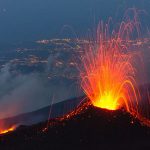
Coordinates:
x,y
7,130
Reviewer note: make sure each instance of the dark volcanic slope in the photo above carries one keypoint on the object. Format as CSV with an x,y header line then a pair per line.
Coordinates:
x,y
55,110
92,128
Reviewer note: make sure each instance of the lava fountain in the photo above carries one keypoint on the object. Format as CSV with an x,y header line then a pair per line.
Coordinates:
x,y
109,75
108,78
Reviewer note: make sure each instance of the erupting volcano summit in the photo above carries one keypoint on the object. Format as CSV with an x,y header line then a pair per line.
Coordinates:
x,y
111,70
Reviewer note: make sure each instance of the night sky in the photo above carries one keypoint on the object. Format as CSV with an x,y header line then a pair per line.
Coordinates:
x,y
27,20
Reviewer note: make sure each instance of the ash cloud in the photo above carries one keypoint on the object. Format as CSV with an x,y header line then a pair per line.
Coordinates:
x,y
25,93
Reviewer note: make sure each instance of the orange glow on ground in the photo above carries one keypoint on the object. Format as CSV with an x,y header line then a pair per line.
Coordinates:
x,y
7,130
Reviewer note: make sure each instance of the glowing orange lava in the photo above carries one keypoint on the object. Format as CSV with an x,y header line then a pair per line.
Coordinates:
x,y
107,101
3,131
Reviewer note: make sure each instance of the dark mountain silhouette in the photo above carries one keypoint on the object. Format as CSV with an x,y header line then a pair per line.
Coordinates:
x,y
53,111
88,127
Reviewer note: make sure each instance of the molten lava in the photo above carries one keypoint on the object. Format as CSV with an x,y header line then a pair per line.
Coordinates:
x,y
106,101
3,131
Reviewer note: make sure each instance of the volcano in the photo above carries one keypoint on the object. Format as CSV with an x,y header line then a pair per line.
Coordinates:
x,y
88,127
